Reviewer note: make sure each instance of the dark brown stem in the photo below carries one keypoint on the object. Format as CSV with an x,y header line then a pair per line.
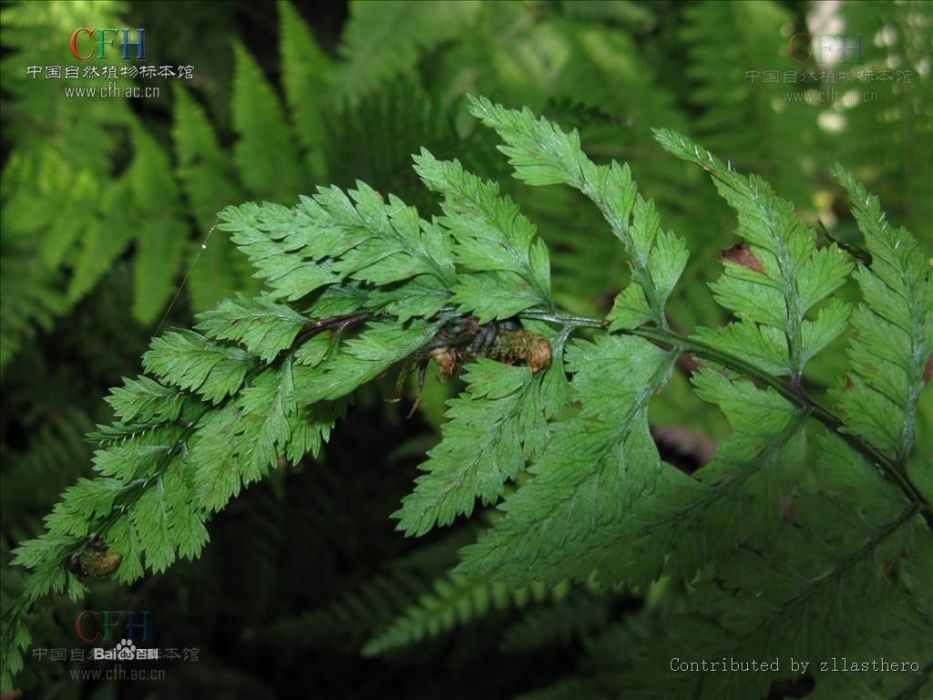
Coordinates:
x,y
338,322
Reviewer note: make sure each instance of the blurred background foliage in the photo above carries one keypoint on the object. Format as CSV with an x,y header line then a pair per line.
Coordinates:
x,y
107,211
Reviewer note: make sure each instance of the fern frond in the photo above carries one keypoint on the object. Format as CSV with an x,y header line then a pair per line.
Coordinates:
x,y
266,161
104,240
378,347
191,362
800,608
542,154
262,325
264,233
160,480
891,355
161,235
455,601
597,464
334,236
604,71
385,40
887,137
490,236
827,536
731,498
241,442
620,14
147,401
30,296
492,430
207,181
744,115
307,79
803,547
373,140
775,279
92,126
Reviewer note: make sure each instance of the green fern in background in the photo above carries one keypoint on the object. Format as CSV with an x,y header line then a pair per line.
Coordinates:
x,y
888,138
37,238
516,53
144,207
746,114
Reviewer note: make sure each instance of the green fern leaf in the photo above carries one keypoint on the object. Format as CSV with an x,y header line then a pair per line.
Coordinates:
x,y
395,243
264,154
381,345
890,150
455,600
493,295
104,240
891,356
306,77
238,444
146,401
161,233
29,298
803,547
542,154
266,234
490,234
384,40
190,361
264,326
596,466
207,180
337,235
774,280
491,432
737,103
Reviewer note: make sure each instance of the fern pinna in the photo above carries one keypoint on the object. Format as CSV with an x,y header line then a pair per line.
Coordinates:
x,y
807,536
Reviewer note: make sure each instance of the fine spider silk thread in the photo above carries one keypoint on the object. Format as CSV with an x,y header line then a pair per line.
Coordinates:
x,y
184,280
